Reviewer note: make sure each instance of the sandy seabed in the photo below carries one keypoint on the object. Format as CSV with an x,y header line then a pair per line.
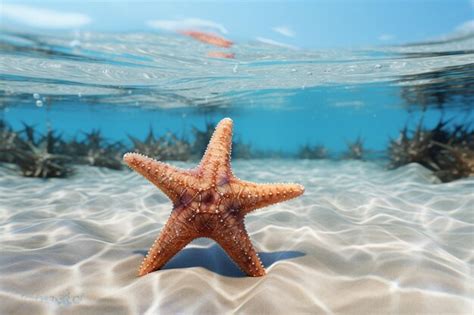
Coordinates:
x,y
361,240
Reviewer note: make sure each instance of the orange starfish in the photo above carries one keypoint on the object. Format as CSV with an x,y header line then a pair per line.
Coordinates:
x,y
208,201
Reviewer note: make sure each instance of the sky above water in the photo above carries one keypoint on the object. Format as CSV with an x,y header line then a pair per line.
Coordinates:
x,y
301,24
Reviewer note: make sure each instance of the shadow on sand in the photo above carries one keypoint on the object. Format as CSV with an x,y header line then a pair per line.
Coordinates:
x,y
216,260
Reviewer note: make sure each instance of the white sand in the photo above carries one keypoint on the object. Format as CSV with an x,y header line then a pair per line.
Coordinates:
x,y
361,240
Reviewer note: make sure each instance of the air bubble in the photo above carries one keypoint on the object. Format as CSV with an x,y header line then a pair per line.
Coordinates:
x,y
39,103
36,96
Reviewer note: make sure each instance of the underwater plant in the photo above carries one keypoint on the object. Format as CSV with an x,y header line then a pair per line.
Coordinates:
x,y
448,153
148,147
8,141
167,147
37,158
312,152
455,162
242,150
178,149
418,148
94,150
50,156
405,150
355,150
456,157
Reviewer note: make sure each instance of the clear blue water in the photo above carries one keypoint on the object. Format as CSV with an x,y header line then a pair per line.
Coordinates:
x,y
280,98
362,239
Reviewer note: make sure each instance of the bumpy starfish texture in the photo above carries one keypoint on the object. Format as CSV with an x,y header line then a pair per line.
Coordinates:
x,y
208,201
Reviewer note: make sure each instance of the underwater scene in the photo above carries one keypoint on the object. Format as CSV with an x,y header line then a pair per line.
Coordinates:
x,y
230,157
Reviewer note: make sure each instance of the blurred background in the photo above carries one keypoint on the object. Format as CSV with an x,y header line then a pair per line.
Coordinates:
x,y
301,78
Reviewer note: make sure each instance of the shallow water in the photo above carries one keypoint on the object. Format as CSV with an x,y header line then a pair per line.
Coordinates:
x,y
280,98
175,71
361,240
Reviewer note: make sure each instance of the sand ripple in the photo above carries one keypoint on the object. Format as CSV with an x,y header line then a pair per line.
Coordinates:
x,y
362,240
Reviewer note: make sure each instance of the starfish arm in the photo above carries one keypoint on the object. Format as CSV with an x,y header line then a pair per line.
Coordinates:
x,y
236,243
217,156
253,196
169,179
174,236
209,201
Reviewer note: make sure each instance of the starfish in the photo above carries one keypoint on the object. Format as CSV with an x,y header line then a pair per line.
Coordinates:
x,y
208,201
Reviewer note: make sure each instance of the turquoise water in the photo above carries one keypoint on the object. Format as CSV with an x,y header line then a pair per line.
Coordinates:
x,y
280,98
364,238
